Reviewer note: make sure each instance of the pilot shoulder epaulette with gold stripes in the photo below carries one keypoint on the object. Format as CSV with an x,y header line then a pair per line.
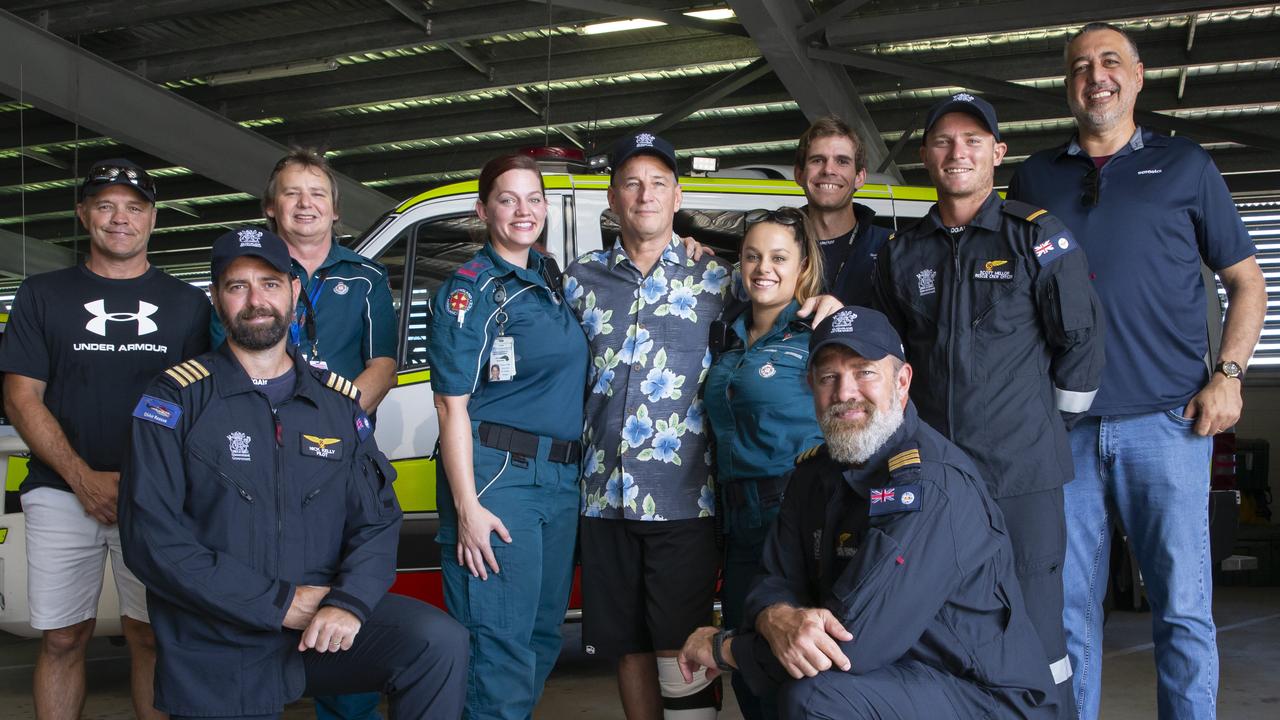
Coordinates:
x,y
336,382
185,373
904,459
810,453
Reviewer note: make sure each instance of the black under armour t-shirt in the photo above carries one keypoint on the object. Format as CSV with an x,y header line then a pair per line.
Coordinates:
x,y
97,343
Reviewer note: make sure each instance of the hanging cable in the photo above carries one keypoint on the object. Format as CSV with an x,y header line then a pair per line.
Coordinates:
x,y
546,104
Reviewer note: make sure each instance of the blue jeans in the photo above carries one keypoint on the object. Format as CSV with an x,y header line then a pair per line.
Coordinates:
x,y
1150,471
514,616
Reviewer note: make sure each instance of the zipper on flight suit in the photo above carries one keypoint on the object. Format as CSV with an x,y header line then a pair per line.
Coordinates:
x,y
951,332
279,458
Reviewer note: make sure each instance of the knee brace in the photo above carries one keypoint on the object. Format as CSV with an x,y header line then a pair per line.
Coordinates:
x,y
697,700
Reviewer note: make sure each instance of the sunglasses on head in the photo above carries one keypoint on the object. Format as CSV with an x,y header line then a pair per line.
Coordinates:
x,y
114,173
781,216
1092,188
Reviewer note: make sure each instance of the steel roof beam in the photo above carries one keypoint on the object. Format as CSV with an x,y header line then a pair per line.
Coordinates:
x,y
820,87
828,18
60,78
339,36
1003,88
89,17
427,77
25,256
958,20
1163,49
709,96
609,8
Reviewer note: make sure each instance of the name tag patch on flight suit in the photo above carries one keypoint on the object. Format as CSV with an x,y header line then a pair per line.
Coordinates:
x,y
322,447
902,498
846,546
160,412
993,270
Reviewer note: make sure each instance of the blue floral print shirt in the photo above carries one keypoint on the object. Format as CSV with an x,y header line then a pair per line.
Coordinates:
x,y
646,440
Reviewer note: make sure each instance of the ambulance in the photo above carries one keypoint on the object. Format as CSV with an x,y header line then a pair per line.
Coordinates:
x,y
421,242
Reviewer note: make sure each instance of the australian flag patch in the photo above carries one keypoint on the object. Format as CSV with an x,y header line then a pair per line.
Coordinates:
x,y
900,498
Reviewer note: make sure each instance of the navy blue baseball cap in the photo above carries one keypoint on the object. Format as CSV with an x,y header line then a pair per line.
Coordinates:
x,y
966,103
118,171
862,330
251,241
642,143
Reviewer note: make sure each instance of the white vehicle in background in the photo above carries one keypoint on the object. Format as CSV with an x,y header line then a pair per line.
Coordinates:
x,y
421,242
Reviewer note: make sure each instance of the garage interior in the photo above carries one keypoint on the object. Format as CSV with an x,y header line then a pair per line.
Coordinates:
x,y
405,95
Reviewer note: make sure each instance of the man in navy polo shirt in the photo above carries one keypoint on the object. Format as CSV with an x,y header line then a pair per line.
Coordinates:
x,y
1147,209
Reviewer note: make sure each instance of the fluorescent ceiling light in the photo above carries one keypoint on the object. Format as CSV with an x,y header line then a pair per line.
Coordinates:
x,y
271,73
637,24
619,26
712,14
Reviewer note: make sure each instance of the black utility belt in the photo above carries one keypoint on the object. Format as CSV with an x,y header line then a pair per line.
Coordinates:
x,y
519,442
769,491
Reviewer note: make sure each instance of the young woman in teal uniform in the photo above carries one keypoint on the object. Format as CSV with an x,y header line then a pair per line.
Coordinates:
x,y
509,371
758,402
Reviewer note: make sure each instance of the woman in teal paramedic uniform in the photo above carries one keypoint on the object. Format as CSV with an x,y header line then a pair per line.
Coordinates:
x,y
509,370
758,401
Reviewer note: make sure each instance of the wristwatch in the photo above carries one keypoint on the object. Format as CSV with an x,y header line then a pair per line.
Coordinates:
x,y
1230,368
717,642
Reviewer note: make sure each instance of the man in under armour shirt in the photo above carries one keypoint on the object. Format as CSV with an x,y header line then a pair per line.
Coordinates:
x,y
81,345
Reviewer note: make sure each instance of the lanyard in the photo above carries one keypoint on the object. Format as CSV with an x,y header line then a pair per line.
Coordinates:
x,y
306,316
848,253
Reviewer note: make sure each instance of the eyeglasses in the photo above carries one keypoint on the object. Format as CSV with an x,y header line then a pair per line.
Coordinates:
x,y
136,177
781,216
1092,188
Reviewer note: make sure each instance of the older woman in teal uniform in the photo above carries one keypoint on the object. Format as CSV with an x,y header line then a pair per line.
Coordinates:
x,y
509,371
758,403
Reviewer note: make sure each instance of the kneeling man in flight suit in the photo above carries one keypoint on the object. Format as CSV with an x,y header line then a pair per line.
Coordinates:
x,y
888,588
258,511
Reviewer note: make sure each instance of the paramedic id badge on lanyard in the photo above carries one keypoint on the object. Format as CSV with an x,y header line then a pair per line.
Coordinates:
x,y
502,359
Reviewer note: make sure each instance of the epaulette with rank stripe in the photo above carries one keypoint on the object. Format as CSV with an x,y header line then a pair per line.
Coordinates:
x,y
188,372
334,381
905,459
905,464
809,454
1025,211
471,270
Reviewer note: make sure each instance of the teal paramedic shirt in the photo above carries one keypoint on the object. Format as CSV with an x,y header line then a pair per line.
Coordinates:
x,y
354,319
758,403
546,395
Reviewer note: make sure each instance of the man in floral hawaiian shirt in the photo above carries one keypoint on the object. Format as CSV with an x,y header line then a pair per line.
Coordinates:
x,y
647,536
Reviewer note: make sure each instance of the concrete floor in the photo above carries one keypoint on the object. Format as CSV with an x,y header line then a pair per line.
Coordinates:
x,y
583,687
